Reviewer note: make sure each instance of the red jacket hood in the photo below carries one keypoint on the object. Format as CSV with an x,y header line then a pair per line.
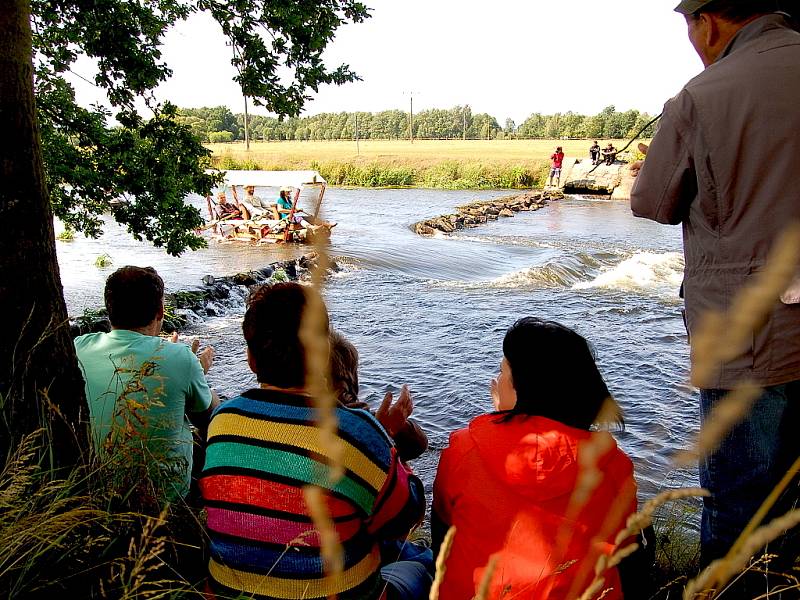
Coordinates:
x,y
538,457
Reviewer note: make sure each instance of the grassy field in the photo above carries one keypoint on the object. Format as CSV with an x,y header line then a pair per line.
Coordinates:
x,y
446,164
421,152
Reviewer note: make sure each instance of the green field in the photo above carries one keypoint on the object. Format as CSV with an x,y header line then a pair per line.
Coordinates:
x,y
449,164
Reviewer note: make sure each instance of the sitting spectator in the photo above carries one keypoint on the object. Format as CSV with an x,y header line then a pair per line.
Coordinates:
x,y
508,481
222,209
610,154
139,386
256,208
284,208
263,449
409,438
594,153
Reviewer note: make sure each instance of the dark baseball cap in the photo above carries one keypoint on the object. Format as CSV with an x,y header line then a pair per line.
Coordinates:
x,y
688,7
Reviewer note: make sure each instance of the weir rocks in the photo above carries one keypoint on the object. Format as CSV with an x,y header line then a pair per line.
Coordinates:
x,y
584,177
188,306
479,212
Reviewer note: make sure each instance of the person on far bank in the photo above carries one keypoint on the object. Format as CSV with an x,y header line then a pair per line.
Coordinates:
x,y
594,153
508,481
706,170
143,389
557,159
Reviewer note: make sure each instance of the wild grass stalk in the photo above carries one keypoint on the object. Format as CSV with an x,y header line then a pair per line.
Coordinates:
x,y
441,563
712,580
103,529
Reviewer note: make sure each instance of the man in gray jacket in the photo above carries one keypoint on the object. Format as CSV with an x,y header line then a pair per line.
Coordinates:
x,y
724,165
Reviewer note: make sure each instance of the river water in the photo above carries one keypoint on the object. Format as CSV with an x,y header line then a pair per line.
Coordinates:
x,y
431,312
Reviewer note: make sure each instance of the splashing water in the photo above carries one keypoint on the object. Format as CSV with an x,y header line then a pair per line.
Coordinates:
x,y
642,271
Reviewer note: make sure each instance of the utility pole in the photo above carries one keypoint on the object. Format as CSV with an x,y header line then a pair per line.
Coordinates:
x,y
488,127
411,117
464,113
411,120
358,150
246,127
246,119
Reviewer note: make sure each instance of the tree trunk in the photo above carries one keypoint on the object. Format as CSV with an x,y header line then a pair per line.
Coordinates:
x,y
40,382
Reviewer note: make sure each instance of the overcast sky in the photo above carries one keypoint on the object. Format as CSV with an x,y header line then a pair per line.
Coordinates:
x,y
509,58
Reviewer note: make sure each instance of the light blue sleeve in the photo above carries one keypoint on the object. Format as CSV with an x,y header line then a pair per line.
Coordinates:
x,y
198,394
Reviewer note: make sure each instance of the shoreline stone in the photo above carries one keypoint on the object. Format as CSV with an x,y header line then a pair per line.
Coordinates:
x,y
184,307
480,212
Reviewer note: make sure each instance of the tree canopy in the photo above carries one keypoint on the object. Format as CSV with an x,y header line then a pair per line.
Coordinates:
x,y
153,161
219,124
62,158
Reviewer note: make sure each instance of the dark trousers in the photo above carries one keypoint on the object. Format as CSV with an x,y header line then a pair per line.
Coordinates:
x,y
751,460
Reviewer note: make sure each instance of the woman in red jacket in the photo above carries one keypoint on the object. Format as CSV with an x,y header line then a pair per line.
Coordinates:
x,y
531,483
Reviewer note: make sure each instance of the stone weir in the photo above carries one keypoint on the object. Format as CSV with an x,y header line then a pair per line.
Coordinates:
x,y
584,177
216,296
480,212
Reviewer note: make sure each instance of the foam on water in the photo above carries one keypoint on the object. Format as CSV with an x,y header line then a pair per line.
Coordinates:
x,y
549,275
642,271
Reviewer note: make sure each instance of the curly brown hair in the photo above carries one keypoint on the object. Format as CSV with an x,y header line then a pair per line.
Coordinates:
x,y
344,369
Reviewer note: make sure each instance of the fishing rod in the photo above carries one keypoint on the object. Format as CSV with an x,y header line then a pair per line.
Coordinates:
x,y
633,139
781,6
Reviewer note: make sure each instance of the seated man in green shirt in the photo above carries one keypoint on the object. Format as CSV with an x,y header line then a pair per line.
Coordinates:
x,y
139,386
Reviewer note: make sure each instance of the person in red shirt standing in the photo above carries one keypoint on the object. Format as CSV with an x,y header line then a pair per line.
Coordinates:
x,y
557,159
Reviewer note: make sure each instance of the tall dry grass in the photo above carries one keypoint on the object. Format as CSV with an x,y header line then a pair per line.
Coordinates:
x,y
80,536
104,529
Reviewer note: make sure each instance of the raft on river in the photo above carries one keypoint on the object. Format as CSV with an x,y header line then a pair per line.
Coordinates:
x,y
480,212
304,188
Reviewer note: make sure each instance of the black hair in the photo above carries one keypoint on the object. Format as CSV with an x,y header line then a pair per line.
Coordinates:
x,y
271,328
738,11
134,296
554,373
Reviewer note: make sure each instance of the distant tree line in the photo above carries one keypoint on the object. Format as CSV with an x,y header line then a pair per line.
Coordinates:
x,y
219,124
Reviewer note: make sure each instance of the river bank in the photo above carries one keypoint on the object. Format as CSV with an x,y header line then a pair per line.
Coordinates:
x,y
215,297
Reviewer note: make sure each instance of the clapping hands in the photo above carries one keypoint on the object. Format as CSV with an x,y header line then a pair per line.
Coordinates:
x,y
394,417
205,356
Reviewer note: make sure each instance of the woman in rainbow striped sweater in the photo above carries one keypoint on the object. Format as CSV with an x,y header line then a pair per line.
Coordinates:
x,y
263,449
